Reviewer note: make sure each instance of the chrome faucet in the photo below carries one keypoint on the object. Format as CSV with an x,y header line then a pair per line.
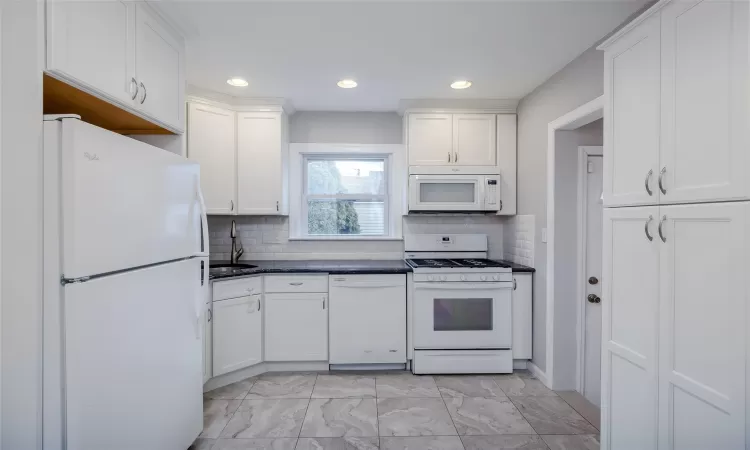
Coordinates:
x,y
236,252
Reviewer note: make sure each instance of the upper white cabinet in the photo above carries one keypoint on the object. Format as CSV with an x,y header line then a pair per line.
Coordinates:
x,y
430,139
631,135
474,140
296,327
261,158
676,104
507,162
211,142
237,333
122,52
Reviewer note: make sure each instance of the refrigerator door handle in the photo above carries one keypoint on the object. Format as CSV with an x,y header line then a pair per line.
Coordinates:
x,y
204,221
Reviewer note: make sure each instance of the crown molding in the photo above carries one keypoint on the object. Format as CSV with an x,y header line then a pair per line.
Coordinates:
x,y
489,106
632,24
200,95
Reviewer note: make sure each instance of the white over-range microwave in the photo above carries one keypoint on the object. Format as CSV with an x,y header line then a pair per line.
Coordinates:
x,y
458,193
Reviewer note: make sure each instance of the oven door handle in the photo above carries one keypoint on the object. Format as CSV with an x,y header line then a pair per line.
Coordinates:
x,y
463,286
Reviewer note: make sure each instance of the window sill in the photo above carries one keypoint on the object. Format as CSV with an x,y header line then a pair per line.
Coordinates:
x,y
345,238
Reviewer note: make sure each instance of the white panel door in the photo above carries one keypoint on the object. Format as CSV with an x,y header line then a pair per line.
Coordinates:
x,y
131,338
631,133
592,348
296,327
704,150
237,334
259,163
159,70
123,203
630,295
507,156
522,316
212,144
703,327
91,42
474,140
430,139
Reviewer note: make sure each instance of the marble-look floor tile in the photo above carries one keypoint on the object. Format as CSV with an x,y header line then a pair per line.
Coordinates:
x,y
507,442
579,442
344,386
406,385
282,386
468,386
551,415
519,386
414,417
339,417
483,416
255,444
346,443
216,415
421,443
588,410
202,444
234,391
271,418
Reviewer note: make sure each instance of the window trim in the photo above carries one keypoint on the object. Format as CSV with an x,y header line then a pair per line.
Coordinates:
x,y
395,194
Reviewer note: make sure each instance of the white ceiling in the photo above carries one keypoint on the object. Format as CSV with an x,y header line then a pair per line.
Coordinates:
x,y
394,49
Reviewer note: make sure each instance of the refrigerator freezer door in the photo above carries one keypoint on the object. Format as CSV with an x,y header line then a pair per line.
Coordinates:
x,y
123,203
133,360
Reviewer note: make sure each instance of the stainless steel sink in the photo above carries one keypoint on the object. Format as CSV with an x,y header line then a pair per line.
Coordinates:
x,y
229,268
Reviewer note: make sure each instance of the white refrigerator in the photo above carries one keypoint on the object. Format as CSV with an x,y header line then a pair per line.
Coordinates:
x,y
125,269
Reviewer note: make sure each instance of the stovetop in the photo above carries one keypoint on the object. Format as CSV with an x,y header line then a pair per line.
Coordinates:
x,y
461,263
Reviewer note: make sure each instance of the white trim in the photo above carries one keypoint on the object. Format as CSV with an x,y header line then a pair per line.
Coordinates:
x,y
396,176
583,155
633,23
238,104
537,372
584,114
457,106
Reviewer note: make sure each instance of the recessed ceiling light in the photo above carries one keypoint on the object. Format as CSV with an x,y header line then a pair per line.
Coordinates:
x,y
461,84
347,84
237,82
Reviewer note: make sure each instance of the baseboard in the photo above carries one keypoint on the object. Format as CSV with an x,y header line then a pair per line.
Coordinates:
x,y
258,369
520,364
537,372
367,367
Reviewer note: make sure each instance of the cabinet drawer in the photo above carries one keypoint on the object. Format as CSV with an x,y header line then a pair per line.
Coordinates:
x,y
236,288
297,283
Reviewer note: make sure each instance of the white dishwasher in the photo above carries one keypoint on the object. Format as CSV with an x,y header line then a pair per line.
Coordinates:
x,y
367,319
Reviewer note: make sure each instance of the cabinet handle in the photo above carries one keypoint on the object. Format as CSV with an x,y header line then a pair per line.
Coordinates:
x,y
514,284
298,283
231,205
648,177
137,88
645,228
258,304
449,156
277,206
455,157
324,303
210,314
661,175
145,93
661,235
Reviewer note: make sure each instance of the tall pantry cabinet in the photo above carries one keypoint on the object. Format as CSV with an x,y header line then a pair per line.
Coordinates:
x,y
677,229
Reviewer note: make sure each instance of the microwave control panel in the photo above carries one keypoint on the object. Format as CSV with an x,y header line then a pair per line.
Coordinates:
x,y
491,192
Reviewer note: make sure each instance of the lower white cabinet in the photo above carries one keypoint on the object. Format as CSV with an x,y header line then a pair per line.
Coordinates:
x,y
207,342
296,327
522,315
237,333
367,319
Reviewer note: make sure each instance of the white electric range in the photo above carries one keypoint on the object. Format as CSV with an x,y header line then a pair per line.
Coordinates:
x,y
462,317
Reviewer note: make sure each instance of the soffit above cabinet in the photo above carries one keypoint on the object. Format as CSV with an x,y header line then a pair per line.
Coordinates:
x,y
454,106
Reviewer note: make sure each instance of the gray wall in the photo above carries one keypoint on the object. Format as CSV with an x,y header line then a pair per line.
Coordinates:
x,y
21,237
346,127
576,84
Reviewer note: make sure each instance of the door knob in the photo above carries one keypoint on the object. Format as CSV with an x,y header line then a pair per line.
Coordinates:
x,y
593,298
593,280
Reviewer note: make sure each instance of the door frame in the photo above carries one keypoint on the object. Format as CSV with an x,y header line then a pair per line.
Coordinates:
x,y
583,154
583,115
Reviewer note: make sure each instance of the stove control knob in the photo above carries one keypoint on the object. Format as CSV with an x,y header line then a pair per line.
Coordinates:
x,y
496,277
483,278
463,277
429,278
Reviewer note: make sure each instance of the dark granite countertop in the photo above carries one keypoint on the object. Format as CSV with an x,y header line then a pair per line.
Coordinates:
x,y
348,266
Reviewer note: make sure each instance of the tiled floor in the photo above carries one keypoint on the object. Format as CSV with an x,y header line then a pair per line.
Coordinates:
x,y
393,411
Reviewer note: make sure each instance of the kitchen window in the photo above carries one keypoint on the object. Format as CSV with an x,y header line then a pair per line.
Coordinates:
x,y
344,193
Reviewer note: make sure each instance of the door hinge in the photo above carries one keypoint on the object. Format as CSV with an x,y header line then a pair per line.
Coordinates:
x,y
65,281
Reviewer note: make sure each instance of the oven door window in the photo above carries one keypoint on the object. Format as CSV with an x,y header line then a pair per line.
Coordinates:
x,y
436,192
462,314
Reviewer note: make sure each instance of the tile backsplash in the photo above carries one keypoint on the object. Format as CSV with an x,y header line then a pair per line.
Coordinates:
x,y
267,237
518,240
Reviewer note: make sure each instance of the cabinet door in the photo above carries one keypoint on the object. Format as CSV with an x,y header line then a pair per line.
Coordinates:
x,y
474,140
704,101
430,139
703,326
91,42
296,327
506,162
211,142
207,342
631,133
159,70
630,294
259,163
236,334
521,316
